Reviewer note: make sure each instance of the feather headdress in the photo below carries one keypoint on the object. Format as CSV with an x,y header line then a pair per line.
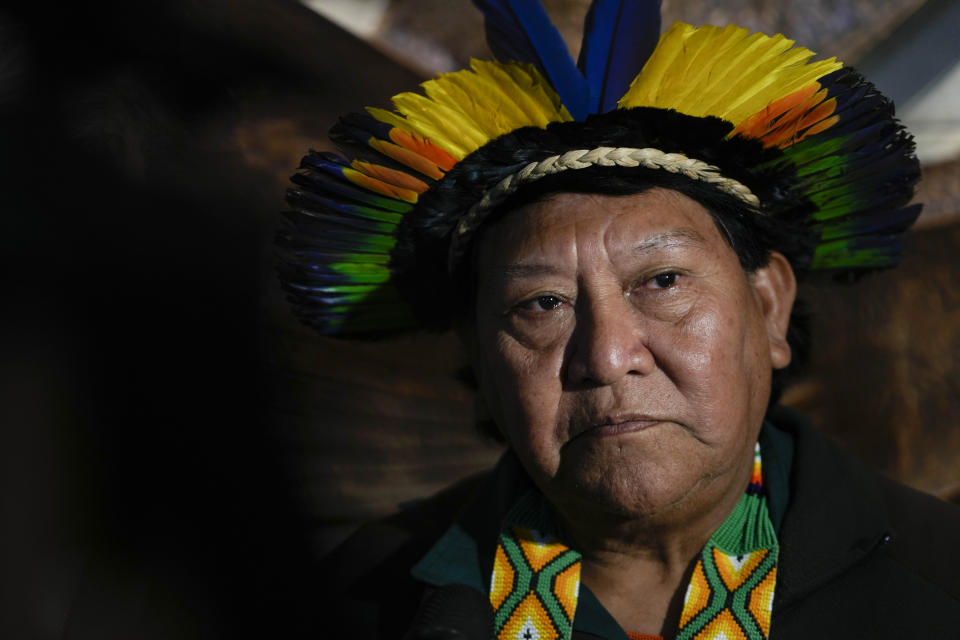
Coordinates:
x,y
790,136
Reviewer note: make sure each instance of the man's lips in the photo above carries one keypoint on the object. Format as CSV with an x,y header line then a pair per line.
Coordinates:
x,y
617,425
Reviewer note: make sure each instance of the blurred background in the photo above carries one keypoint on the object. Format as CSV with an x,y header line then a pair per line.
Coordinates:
x,y
176,452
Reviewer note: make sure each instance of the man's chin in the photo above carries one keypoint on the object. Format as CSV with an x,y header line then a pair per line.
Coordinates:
x,y
622,494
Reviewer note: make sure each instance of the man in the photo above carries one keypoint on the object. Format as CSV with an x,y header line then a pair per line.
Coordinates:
x,y
621,260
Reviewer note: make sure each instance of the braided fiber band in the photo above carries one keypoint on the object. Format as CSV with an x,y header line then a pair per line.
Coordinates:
x,y
602,156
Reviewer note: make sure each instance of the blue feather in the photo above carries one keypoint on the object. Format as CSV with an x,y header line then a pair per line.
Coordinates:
x,y
521,30
618,38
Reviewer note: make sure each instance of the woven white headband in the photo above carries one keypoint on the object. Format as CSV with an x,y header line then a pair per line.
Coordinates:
x,y
605,157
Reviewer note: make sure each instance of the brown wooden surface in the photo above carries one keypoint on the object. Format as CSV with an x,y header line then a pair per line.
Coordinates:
x,y
366,427
885,375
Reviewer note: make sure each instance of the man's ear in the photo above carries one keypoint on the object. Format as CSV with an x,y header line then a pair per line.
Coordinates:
x,y
776,289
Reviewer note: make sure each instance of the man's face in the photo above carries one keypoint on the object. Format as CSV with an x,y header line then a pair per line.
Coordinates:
x,y
625,353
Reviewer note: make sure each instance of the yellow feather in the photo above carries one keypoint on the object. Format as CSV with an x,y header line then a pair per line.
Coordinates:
x,y
526,88
706,81
774,67
685,76
533,111
483,101
722,72
445,126
642,91
759,70
529,79
389,117
524,109
464,110
444,91
747,51
438,121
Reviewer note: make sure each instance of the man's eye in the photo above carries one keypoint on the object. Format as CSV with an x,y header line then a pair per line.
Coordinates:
x,y
661,281
542,303
547,303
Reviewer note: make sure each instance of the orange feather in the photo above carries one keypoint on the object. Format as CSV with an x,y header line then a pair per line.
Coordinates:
x,y
406,157
821,126
762,122
379,186
820,112
423,147
391,176
803,124
790,119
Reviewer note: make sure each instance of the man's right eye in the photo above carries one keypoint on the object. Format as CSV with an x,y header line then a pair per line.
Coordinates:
x,y
541,303
548,303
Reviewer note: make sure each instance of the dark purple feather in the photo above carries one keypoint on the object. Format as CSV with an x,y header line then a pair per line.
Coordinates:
x,y
618,38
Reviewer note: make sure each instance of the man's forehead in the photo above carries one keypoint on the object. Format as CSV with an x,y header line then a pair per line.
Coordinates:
x,y
677,237
655,207
662,246
525,240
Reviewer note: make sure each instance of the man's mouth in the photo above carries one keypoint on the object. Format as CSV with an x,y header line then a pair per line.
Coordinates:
x,y
618,424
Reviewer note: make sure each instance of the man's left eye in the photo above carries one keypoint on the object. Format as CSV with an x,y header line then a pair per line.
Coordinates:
x,y
661,281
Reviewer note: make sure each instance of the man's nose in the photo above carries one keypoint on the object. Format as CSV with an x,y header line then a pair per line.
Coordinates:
x,y
609,342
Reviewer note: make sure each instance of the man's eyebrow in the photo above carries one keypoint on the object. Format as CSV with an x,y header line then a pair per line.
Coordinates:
x,y
662,240
672,238
525,270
